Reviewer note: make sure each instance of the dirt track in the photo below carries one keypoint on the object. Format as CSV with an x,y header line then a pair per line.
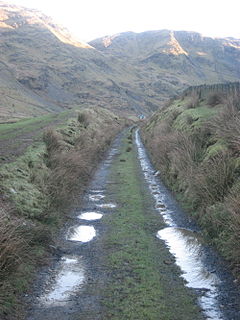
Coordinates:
x,y
98,276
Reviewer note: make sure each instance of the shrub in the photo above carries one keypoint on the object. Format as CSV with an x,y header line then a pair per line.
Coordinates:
x,y
213,179
193,101
52,140
70,172
83,118
215,98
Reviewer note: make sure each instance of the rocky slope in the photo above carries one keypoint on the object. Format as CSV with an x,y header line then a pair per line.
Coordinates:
x,y
44,69
169,60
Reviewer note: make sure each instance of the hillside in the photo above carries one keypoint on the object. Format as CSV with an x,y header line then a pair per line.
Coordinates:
x,y
194,142
44,69
171,60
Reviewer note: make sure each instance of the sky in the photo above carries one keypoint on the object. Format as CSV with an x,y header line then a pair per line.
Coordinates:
x,y
91,19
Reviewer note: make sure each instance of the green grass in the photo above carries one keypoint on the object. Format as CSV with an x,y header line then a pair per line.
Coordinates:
x,y
196,117
141,286
11,130
24,181
217,147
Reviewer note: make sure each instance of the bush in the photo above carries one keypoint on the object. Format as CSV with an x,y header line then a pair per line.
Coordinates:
x,y
213,179
52,140
215,98
83,118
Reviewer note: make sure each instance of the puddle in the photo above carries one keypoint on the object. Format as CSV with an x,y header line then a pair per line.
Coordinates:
x,y
185,245
107,205
187,248
91,215
96,197
69,277
96,191
81,233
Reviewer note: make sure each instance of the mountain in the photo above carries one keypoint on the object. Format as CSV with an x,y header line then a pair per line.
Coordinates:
x,y
44,69
170,60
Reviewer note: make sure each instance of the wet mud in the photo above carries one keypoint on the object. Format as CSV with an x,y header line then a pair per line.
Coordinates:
x,y
70,287
202,268
67,289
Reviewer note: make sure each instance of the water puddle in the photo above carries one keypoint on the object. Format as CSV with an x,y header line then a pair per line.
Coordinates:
x,y
107,205
196,261
91,215
81,233
69,277
186,246
96,197
96,191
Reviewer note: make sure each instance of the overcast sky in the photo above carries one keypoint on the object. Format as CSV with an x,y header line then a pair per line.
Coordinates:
x,y
90,19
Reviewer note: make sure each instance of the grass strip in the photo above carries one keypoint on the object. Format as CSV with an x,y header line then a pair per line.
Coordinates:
x,y
140,284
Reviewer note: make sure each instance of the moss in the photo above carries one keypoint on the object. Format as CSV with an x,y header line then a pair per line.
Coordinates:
x,y
214,149
198,116
24,182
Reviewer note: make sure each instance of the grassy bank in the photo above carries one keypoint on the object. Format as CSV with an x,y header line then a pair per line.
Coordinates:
x,y
140,284
36,192
194,142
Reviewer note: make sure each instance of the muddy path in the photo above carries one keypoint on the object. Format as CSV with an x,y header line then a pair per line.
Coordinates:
x,y
130,252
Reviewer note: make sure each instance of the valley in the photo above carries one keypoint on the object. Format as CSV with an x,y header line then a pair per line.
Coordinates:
x,y
44,69
119,173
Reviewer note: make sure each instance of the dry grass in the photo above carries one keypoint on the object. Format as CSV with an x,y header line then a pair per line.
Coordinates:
x,y
215,98
203,166
72,160
193,101
70,173
213,179
226,126
47,180
12,243
233,210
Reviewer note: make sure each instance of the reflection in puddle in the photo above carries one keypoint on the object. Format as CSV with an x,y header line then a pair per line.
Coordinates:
x,y
96,191
188,250
183,244
96,197
107,205
152,180
91,215
70,275
81,233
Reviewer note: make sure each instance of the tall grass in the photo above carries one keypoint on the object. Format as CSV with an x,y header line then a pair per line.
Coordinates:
x,y
72,163
42,186
203,165
12,244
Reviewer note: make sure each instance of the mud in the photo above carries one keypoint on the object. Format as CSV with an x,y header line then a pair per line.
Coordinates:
x,y
201,266
71,287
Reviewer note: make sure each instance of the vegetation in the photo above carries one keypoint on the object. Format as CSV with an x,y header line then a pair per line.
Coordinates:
x,y
139,284
38,189
197,147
